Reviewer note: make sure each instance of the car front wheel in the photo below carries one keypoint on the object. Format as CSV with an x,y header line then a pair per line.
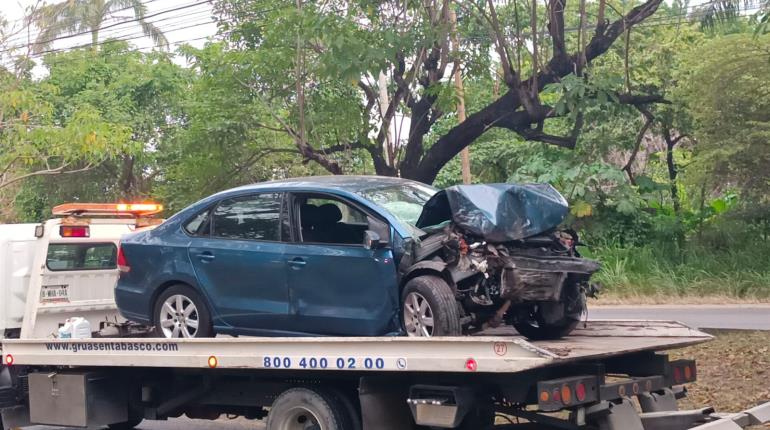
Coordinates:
x,y
429,308
181,313
552,320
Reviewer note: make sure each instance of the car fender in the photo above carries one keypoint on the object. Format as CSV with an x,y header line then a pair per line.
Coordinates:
x,y
427,267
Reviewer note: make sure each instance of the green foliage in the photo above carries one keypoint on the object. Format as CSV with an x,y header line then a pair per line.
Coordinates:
x,y
122,105
688,216
726,88
226,139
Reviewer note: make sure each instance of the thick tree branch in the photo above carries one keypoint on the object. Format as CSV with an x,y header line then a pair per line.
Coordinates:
x,y
648,119
61,170
505,111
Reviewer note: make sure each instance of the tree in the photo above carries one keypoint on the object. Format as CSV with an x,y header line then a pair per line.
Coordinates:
x,y
335,50
89,16
34,143
221,141
726,87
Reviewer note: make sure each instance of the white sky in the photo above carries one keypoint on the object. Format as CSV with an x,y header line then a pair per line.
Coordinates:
x,y
191,23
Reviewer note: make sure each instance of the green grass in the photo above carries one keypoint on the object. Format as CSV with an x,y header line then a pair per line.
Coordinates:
x,y
655,271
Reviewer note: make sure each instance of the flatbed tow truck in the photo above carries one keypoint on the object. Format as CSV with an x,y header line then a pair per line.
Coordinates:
x,y
608,374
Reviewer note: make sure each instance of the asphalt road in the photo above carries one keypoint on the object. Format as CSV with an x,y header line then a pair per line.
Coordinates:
x,y
741,317
185,424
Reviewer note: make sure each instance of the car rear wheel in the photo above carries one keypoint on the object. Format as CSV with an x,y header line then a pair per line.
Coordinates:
x,y
181,313
429,308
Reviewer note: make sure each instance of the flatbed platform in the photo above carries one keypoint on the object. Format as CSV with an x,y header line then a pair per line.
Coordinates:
x,y
499,350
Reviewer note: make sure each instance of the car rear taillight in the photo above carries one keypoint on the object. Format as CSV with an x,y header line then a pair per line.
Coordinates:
x,y
122,261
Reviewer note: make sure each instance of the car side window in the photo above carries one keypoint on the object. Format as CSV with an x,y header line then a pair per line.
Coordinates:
x,y
325,219
199,224
253,217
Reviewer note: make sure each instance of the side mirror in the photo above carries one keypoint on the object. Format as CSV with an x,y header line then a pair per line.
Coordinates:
x,y
371,240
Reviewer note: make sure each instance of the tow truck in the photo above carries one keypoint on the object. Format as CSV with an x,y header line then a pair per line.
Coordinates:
x,y
607,375
65,266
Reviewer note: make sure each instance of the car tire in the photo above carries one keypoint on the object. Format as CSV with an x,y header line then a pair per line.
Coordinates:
x,y
544,331
531,323
429,308
173,317
299,405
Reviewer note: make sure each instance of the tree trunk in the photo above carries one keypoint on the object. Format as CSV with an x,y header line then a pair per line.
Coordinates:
x,y
128,184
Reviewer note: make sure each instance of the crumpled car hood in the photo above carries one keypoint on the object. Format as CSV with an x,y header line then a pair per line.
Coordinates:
x,y
497,212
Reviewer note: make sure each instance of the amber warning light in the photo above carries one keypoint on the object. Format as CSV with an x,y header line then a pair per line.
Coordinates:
x,y
133,209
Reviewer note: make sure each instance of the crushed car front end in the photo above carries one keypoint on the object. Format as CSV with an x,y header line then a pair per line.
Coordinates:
x,y
500,249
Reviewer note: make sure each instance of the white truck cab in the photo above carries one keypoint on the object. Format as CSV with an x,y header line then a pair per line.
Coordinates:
x,y
65,267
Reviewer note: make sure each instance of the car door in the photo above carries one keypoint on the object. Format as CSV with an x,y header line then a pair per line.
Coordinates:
x,y
240,264
339,288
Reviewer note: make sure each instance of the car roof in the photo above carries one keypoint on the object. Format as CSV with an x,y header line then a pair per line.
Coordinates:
x,y
350,183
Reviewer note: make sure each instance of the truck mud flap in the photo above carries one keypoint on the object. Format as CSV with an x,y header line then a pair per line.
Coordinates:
x,y
383,404
14,417
615,416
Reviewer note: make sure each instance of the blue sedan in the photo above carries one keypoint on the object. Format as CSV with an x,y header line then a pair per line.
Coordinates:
x,y
306,256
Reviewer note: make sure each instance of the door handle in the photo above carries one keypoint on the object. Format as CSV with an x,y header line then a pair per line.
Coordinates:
x,y
206,257
297,262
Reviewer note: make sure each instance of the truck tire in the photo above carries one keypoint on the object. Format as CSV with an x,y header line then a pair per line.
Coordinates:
x,y
302,407
180,312
429,308
128,425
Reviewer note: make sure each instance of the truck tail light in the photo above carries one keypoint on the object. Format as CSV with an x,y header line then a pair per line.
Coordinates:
x,y
122,261
580,391
558,394
682,371
8,360
74,231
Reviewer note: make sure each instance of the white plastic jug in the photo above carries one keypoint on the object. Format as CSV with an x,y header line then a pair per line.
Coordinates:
x,y
75,328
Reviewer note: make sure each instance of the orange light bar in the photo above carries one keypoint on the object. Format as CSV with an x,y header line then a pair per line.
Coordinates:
x,y
135,209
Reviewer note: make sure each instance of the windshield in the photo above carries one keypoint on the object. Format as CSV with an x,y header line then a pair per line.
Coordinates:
x,y
404,201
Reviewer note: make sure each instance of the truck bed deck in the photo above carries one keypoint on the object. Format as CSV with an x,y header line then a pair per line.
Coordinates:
x,y
499,350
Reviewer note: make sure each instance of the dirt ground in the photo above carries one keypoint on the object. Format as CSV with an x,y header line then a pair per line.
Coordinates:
x,y
733,371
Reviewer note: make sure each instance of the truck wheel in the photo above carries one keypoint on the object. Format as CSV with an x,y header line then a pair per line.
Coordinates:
x,y
181,312
429,308
308,408
128,425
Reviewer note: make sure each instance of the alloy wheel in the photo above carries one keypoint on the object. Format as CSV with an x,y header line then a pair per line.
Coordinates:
x,y
418,315
179,317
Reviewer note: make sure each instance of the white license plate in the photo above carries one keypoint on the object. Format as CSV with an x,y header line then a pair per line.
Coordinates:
x,y
54,293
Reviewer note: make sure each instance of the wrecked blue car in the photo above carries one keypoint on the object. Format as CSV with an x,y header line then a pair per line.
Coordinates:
x,y
499,248
358,256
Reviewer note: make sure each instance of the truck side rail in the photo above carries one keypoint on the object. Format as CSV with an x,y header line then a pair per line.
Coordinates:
x,y
496,351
